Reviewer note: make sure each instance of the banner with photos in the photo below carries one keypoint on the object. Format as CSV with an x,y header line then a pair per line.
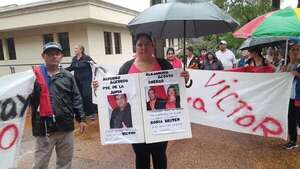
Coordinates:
x,y
145,107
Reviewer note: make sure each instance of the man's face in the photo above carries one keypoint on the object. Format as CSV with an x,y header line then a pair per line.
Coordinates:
x,y
222,47
151,95
52,57
189,53
121,101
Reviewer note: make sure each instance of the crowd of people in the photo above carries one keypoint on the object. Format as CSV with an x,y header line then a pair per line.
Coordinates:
x,y
58,96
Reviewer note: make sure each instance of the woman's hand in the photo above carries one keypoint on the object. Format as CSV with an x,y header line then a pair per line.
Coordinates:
x,y
95,84
186,75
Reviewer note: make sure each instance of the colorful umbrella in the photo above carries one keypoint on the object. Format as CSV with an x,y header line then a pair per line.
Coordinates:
x,y
285,22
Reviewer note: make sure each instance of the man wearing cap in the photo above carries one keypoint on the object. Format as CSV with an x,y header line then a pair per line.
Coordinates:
x,y
226,56
54,102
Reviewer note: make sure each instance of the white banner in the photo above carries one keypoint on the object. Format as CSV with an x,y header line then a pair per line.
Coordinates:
x,y
243,102
14,92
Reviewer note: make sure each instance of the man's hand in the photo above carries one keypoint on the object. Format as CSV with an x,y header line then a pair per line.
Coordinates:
x,y
95,84
186,75
82,127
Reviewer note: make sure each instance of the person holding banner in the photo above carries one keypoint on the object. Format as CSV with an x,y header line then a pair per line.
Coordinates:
x,y
83,77
294,105
145,62
54,102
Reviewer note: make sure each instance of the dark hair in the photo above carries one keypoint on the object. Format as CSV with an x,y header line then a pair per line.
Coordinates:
x,y
210,53
152,90
125,96
138,36
190,49
172,87
256,50
170,49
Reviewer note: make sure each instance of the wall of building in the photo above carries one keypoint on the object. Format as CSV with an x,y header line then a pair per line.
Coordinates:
x,y
97,48
28,44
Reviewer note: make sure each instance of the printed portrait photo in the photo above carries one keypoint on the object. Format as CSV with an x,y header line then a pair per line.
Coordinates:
x,y
162,97
120,111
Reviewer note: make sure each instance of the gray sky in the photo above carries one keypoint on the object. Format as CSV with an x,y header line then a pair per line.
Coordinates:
x,y
138,5
290,3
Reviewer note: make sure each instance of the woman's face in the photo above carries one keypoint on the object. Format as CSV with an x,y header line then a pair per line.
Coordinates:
x,y
210,56
170,55
144,48
77,50
252,54
171,92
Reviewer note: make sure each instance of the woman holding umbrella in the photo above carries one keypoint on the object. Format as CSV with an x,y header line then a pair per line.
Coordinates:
x,y
145,62
256,59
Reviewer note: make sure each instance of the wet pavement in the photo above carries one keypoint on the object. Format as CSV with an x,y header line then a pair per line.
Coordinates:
x,y
210,148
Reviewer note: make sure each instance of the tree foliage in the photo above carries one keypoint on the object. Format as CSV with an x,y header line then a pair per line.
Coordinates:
x,y
241,10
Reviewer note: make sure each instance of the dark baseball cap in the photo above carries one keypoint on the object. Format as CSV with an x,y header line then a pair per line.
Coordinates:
x,y
52,45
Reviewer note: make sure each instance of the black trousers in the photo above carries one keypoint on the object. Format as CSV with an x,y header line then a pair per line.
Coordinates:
x,y
85,90
293,120
143,152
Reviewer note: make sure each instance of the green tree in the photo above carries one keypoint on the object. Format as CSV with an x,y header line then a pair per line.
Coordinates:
x,y
241,10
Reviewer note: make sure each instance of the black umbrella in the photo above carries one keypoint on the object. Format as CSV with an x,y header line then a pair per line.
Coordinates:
x,y
262,42
182,19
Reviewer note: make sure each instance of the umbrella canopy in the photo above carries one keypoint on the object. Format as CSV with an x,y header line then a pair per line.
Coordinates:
x,y
262,42
168,20
285,22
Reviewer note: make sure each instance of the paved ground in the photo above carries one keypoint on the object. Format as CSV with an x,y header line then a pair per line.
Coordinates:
x,y
210,148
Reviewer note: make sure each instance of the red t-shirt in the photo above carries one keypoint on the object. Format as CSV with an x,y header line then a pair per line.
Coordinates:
x,y
159,90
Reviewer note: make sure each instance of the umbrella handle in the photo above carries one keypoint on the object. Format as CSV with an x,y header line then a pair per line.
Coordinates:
x,y
188,85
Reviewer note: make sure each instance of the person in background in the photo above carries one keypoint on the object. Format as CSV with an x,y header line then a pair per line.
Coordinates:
x,y
294,105
244,57
83,77
212,62
270,54
192,61
172,59
226,56
54,103
145,62
256,59
202,55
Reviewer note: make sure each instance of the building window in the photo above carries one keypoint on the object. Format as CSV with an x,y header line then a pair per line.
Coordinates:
x,y
108,43
171,42
63,39
1,50
118,45
11,49
48,38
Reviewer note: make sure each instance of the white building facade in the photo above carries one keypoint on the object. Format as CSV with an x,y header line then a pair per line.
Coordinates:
x,y
99,26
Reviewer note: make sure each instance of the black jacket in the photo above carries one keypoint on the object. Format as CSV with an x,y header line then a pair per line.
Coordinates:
x,y
159,104
66,103
118,117
82,69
